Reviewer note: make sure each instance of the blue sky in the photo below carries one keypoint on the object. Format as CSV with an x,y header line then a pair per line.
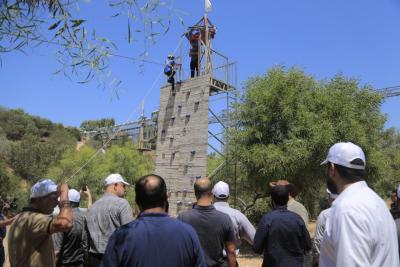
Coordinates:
x,y
359,38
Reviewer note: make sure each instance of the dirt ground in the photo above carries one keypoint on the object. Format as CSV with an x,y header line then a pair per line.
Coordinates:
x,y
247,258
249,261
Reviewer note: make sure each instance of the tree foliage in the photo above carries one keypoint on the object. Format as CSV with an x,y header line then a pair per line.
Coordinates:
x,y
288,121
91,125
124,159
30,144
83,54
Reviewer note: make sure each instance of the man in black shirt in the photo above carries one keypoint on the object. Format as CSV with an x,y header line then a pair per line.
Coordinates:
x,y
282,234
70,246
214,228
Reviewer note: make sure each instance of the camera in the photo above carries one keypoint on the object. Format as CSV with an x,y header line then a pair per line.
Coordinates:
x,y
8,203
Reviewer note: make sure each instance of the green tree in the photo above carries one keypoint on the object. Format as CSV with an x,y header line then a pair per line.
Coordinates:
x,y
86,169
16,123
31,158
13,187
30,144
391,175
288,120
91,125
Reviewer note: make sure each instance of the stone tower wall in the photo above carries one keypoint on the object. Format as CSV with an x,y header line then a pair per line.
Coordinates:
x,y
182,139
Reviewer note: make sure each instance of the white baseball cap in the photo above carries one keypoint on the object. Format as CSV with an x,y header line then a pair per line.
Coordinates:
x,y
344,153
43,188
221,190
332,195
74,195
114,178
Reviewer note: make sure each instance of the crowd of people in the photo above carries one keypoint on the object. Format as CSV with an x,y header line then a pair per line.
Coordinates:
x,y
356,230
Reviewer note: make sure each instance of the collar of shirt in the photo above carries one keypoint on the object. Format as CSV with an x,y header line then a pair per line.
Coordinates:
x,y
221,204
349,191
31,209
284,207
210,207
152,214
109,195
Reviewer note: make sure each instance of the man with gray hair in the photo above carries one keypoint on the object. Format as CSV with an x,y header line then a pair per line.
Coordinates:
x,y
359,230
244,230
106,215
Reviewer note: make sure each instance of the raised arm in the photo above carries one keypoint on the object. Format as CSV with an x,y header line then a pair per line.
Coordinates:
x,y
87,194
63,221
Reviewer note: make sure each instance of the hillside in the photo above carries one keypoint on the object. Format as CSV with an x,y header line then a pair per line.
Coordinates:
x,y
29,145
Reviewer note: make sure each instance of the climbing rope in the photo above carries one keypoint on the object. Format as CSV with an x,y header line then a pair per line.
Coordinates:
x,y
148,92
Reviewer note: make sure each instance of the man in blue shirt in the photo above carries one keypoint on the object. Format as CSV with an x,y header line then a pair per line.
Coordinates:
x,y
153,239
282,234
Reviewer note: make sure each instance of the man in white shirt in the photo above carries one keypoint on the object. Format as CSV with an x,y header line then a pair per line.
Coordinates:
x,y
320,228
360,230
244,230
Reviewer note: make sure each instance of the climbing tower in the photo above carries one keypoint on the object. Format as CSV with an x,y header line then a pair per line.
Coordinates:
x,y
183,120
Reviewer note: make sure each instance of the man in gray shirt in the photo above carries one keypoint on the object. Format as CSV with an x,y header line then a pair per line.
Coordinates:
x,y
320,228
106,215
244,230
293,205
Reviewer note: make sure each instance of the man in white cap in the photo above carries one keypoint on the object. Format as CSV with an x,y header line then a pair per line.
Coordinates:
x,y
244,230
29,238
360,230
106,215
320,228
70,246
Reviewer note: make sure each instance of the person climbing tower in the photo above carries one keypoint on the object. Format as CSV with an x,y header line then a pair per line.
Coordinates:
x,y
169,70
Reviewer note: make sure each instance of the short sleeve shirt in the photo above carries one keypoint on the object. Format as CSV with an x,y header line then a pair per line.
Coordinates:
x,y
298,208
213,228
154,240
29,240
104,217
71,244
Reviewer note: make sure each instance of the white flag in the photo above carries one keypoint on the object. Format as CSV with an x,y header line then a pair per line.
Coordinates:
x,y
207,6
